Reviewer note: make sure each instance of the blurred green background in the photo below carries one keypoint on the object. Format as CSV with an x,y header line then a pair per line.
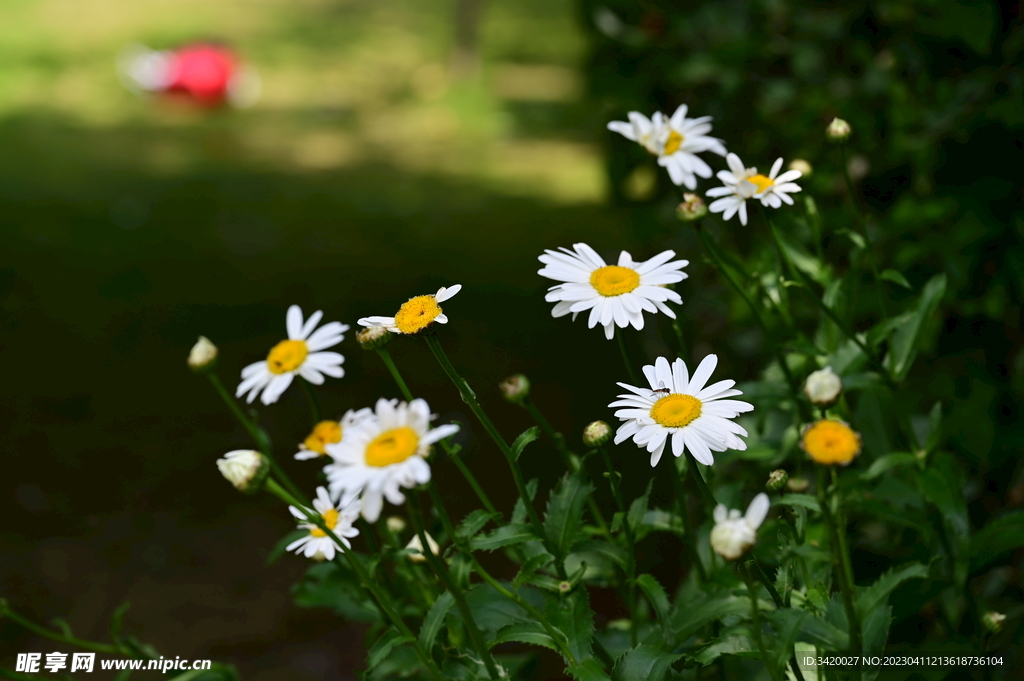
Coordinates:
x,y
396,149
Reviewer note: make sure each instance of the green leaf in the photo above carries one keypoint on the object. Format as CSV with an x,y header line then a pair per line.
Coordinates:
x,y
658,598
571,614
638,509
588,670
602,549
565,511
525,438
530,567
328,585
802,259
876,595
896,278
813,629
473,523
854,237
643,663
688,620
886,463
1003,534
801,501
519,510
508,535
525,632
492,611
787,633
733,645
907,339
876,628
117,621
435,619
379,651
282,545
934,436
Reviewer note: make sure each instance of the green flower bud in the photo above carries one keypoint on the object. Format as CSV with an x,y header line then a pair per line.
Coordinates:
x,y
838,130
597,434
777,480
692,208
993,621
515,388
373,337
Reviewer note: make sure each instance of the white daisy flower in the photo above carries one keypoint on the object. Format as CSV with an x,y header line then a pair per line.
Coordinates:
x,y
676,141
300,354
742,183
616,295
327,433
416,313
680,408
318,545
734,535
383,453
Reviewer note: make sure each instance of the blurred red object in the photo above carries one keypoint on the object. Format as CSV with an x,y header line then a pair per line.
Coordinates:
x,y
206,74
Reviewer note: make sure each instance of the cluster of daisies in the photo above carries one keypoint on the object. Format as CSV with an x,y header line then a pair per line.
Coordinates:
x,y
676,140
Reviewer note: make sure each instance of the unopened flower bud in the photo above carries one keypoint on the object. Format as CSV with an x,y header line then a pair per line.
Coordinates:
x,y
801,165
838,130
203,355
395,524
515,388
373,337
798,485
692,208
597,434
564,587
735,534
823,387
776,480
416,545
993,621
245,469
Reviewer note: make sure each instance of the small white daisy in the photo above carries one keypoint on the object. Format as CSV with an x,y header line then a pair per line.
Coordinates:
x,y
416,313
734,535
327,433
300,354
676,141
742,183
383,453
616,295
680,408
317,544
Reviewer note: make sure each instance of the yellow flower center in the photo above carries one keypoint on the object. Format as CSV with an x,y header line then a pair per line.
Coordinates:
x,y
417,314
675,410
392,446
830,442
330,517
288,355
761,182
675,140
614,280
324,433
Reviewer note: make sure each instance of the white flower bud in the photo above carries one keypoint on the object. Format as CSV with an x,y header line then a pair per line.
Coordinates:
x,y
734,535
395,524
801,165
692,208
515,388
993,621
245,469
838,130
596,434
203,355
823,387
417,546
373,337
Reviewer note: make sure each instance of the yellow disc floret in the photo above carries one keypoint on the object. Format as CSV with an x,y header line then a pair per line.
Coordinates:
x,y
761,182
675,410
675,140
830,442
417,314
288,355
324,433
614,280
330,517
392,446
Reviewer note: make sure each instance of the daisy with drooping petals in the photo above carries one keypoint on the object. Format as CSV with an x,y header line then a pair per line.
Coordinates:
x,y
742,183
676,141
733,534
416,313
616,295
300,354
328,433
679,408
318,545
383,453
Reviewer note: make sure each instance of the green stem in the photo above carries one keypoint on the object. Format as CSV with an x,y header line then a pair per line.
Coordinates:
x,y
755,615
613,480
469,397
381,598
759,571
314,403
862,224
689,540
25,623
437,564
258,435
709,498
621,338
449,450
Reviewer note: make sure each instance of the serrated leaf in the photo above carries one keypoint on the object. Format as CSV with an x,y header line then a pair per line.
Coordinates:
x,y
564,514
435,619
588,670
530,567
658,599
733,645
1003,534
519,510
907,338
571,614
687,621
876,628
525,438
329,585
800,500
638,509
643,663
491,610
282,545
473,523
599,547
813,629
896,278
525,632
383,646
508,535
658,519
